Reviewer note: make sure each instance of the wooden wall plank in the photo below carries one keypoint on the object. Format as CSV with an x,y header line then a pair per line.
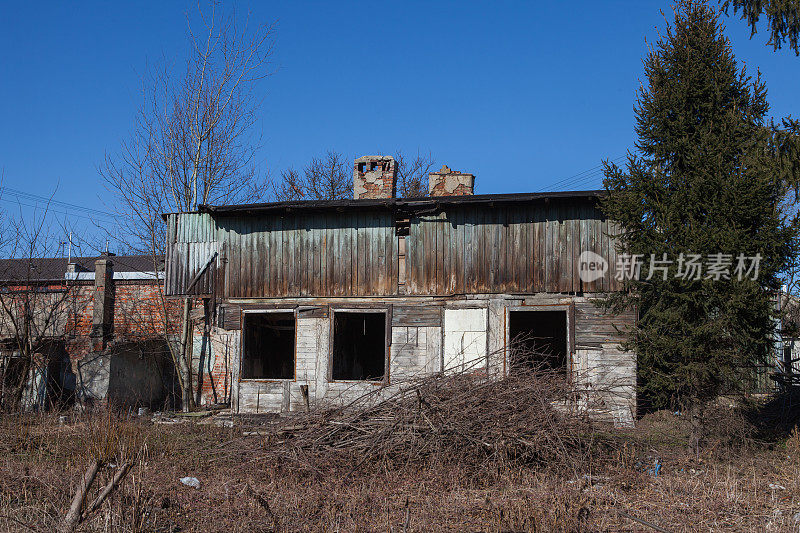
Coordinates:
x,y
392,251
361,257
482,264
456,229
470,261
463,249
411,315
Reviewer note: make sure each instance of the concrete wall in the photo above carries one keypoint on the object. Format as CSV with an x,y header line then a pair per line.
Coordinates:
x,y
130,374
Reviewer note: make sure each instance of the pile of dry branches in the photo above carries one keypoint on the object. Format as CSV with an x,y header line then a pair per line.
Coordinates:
x,y
461,419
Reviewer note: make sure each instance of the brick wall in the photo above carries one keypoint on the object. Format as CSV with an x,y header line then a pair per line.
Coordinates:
x,y
216,372
138,314
449,182
374,177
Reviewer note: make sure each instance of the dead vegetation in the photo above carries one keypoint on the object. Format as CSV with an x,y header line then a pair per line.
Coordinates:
x,y
463,419
457,453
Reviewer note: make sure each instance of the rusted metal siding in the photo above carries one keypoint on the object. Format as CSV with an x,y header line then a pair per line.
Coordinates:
x,y
518,249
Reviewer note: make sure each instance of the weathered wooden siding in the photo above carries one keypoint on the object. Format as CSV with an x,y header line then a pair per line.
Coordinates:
x,y
518,249
605,374
596,327
323,254
526,248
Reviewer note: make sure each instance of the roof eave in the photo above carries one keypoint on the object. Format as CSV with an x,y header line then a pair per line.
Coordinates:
x,y
420,202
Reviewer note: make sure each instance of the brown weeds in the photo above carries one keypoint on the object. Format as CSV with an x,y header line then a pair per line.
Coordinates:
x,y
455,454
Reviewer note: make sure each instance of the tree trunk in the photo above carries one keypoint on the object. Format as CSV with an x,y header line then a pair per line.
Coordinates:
x,y
186,359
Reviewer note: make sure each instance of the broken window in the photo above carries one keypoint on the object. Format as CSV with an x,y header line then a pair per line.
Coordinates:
x,y
268,346
14,376
359,346
538,339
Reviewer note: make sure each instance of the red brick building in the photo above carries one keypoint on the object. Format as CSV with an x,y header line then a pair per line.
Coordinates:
x,y
99,329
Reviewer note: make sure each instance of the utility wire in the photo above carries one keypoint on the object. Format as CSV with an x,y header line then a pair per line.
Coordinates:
x,y
584,177
64,205
50,209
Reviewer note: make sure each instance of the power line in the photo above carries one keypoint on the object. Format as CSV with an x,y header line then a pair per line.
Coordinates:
x,y
585,176
49,210
65,205
581,177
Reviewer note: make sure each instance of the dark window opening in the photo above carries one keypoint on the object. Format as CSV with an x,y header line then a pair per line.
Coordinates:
x,y
538,340
61,381
359,346
268,346
14,379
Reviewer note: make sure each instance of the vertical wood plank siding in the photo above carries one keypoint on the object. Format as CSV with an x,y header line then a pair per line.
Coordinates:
x,y
315,254
519,249
462,249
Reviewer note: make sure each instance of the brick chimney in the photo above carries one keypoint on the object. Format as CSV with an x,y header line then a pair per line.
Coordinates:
x,y
449,182
103,302
374,176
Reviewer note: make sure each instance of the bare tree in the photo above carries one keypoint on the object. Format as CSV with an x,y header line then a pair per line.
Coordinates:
x,y
412,174
193,139
34,310
330,178
324,178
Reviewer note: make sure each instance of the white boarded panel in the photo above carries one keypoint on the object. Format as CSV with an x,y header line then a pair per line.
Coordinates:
x,y
464,339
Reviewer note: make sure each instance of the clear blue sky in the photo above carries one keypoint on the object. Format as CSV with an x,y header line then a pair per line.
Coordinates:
x,y
522,94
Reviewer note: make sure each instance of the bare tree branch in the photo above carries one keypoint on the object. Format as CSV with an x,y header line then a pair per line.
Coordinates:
x,y
330,178
412,174
324,178
193,140
34,312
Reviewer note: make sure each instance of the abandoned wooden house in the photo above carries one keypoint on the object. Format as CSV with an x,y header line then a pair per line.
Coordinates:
x,y
311,302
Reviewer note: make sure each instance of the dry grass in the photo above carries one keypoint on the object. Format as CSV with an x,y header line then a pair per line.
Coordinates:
x,y
471,457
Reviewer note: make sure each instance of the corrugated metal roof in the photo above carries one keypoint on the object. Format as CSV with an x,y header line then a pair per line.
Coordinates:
x,y
54,268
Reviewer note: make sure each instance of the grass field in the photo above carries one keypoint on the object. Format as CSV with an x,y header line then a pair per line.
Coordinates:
x,y
457,473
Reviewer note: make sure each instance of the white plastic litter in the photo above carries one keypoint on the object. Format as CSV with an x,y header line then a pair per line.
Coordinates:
x,y
191,481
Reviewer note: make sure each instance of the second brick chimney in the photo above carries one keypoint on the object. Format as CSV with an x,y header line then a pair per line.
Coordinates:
x,y
374,176
449,182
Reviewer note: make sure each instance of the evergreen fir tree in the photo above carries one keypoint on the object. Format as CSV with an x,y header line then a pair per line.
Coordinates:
x,y
783,19
705,178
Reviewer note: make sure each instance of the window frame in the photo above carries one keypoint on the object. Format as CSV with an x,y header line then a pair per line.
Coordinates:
x,y
281,310
362,308
568,309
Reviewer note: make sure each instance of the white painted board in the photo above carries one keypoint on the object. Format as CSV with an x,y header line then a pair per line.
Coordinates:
x,y
464,339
